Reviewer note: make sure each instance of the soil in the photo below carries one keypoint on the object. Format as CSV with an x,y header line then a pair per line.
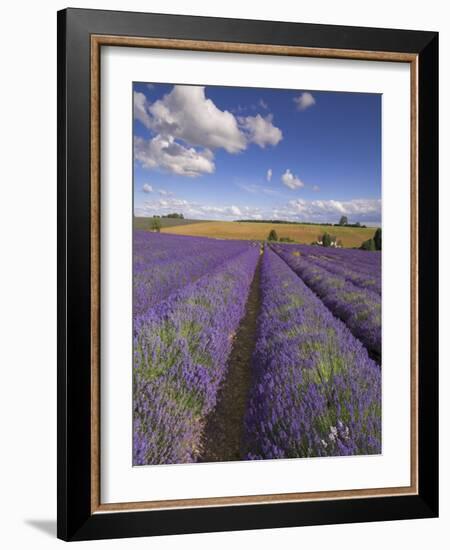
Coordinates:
x,y
224,427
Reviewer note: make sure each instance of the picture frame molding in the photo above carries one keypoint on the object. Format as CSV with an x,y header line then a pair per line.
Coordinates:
x,y
81,35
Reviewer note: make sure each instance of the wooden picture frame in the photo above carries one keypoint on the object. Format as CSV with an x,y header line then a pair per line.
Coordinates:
x,y
81,35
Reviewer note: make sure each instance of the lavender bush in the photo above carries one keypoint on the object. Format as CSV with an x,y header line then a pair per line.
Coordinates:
x,y
359,308
164,263
315,391
348,264
181,347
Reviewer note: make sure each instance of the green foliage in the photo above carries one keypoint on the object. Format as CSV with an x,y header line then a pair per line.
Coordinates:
x,y
326,239
285,222
155,224
322,224
343,220
377,239
175,216
368,245
272,235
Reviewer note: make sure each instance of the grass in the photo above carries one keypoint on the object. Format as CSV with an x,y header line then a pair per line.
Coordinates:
x,y
145,223
303,234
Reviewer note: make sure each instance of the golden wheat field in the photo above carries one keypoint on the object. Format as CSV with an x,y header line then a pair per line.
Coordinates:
x,y
304,234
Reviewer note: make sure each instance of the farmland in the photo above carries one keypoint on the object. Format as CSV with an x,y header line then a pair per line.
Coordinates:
x,y
244,351
301,233
144,223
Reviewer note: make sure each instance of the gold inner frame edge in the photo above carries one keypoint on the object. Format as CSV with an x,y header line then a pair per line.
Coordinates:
x,y
97,41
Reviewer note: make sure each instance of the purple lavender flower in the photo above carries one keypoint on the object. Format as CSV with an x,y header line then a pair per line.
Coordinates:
x,y
164,263
315,391
181,347
359,308
358,267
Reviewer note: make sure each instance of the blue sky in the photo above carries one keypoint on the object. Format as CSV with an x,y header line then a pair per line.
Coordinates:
x,y
254,153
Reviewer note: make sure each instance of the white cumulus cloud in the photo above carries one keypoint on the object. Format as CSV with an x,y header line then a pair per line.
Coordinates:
x,y
269,174
195,210
147,188
140,106
185,113
361,210
260,130
164,152
304,100
291,180
185,123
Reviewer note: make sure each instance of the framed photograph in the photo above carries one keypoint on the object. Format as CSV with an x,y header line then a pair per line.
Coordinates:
x,y
247,253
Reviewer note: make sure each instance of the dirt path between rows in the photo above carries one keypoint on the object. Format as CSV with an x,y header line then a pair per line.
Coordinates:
x,y
224,427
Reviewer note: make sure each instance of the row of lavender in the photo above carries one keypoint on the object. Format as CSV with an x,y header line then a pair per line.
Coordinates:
x,y
182,344
163,264
358,307
355,266
315,390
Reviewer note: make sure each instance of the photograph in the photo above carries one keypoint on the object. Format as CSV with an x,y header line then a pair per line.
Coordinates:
x,y
257,274
247,272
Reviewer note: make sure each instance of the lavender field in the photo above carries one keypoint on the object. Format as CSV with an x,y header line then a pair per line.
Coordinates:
x,y
249,351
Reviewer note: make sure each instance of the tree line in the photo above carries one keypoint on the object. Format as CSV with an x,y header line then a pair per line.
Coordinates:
x,y
328,240
155,221
342,222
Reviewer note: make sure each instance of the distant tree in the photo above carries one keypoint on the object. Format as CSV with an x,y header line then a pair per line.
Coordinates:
x,y
326,239
155,224
343,220
272,235
175,216
357,224
377,238
368,245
